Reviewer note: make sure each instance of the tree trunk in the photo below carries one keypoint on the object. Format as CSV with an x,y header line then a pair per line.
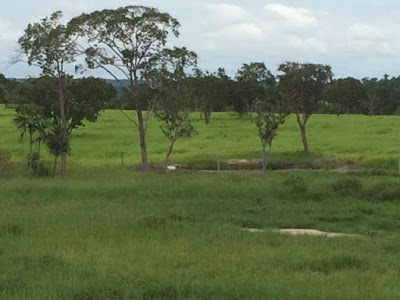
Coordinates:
x,y
207,117
302,126
141,123
265,160
55,165
30,143
169,152
62,88
142,137
39,159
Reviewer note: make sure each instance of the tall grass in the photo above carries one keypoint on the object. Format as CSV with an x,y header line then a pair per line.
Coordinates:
x,y
110,233
106,232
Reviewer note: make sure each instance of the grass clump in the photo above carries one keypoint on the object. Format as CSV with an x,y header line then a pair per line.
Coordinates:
x,y
347,186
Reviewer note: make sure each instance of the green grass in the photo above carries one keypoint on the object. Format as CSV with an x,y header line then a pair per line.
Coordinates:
x,y
114,234
106,232
370,140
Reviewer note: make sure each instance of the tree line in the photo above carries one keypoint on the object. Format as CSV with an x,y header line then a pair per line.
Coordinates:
x,y
130,45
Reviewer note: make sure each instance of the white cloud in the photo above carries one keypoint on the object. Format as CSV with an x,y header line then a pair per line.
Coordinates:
x,y
366,38
365,32
226,14
278,26
239,33
294,16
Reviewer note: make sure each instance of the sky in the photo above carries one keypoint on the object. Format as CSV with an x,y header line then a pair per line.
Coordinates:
x,y
358,38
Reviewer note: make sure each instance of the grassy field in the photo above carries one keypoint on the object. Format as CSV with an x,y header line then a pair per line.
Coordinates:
x,y
106,232
372,140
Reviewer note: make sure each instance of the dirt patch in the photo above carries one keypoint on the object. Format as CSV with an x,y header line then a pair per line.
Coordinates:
x,y
312,232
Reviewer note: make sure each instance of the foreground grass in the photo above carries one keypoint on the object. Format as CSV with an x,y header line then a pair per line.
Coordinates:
x,y
107,233
370,140
104,232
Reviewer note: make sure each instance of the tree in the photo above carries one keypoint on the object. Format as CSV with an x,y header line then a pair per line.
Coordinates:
x,y
171,73
87,97
7,89
50,45
268,121
123,42
29,119
303,87
253,80
57,142
211,92
346,96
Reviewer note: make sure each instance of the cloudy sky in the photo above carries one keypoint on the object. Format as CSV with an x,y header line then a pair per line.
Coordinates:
x,y
357,38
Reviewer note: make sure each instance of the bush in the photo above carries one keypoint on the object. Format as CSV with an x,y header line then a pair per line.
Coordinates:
x,y
36,167
295,184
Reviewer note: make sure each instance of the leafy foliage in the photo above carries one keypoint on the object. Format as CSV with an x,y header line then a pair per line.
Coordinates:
x,y
268,120
49,45
303,87
253,81
346,96
170,76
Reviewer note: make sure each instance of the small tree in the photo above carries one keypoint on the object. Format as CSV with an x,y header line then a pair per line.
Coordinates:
x,y
87,97
173,111
303,87
57,142
269,118
29,119
50,45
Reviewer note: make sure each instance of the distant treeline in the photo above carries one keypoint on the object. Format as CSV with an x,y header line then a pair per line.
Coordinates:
x,y
217,92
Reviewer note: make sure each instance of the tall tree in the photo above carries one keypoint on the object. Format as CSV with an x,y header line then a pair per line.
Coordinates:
x,y
50,45
123,42
303,87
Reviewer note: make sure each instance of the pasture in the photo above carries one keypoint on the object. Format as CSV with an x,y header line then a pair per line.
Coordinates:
x,y
369,140
107,232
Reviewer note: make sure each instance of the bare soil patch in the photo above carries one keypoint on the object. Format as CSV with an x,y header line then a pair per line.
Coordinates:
x,y
312,232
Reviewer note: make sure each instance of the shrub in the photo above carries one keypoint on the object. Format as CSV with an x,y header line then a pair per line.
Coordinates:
x,y
36,167
295,184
